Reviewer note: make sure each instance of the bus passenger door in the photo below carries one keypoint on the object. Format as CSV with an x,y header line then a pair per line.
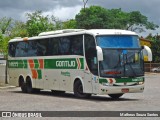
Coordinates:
x,y
91,67
91,77
87,81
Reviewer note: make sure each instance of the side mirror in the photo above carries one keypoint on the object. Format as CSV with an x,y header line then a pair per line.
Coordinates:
x,y
147,53
99,53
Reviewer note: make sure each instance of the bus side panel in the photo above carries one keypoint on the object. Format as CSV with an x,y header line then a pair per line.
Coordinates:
x,y
76,74
13,77
51,79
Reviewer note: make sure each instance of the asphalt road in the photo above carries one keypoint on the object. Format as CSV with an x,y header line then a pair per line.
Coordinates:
x,y
12,99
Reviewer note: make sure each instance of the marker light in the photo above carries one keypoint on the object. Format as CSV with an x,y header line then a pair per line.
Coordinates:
x,y
25,38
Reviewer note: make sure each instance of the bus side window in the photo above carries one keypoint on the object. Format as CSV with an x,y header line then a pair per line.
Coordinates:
x,y
32,51
91,54
52,47
41,46
64,46
77,45
12,49
21,49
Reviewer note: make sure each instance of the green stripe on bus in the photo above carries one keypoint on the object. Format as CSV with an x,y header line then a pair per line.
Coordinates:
x,y
68,63
101,80
36,63
123,80
82,63
25,65
17,64
63,63
39,74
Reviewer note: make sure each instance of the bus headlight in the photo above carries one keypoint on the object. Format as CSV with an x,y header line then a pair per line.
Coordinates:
x,y
140,83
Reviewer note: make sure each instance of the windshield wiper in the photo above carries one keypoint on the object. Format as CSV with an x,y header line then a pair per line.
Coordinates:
x,y
129,63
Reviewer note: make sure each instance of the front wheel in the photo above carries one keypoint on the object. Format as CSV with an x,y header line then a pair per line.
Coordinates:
x,y
78,90
115,96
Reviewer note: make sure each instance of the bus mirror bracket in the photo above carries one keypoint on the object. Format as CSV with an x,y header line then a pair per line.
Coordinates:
x,y
99,53
147,53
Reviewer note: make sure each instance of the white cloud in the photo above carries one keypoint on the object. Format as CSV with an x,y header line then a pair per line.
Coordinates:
x,y
64,13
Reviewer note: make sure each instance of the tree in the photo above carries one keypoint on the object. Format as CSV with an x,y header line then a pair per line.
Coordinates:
x,y
155,48
4,44
38,23
19,29
96,17
117,19
5,24
70,24
137,22
93,17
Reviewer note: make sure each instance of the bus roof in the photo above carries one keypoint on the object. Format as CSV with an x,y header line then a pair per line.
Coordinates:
x,y
67,32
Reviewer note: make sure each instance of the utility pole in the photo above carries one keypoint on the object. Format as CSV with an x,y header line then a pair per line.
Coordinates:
x,y
85,3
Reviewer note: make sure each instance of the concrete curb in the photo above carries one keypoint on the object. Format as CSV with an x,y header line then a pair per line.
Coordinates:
x,y
5,86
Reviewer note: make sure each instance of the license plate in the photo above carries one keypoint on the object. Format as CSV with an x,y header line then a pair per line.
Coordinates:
x,y
125,90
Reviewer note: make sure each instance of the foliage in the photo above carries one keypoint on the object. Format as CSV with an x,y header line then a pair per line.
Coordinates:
x,y
93,17
18,30
5,24
4,44
70,24
137,21
96,17
37,23
156,48
117,19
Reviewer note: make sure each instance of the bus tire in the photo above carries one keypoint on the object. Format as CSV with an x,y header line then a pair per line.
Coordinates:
x,y
29,85
78,90
22,84
115,96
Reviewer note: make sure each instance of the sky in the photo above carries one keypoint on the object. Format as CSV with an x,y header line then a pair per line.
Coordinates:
x,y
67,9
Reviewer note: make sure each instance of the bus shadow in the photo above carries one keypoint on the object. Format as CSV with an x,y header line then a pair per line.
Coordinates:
x,y
71,96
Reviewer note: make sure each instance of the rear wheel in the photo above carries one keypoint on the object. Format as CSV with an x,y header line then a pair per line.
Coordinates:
x,y
22,84
29,85
23,87
115,96
78,90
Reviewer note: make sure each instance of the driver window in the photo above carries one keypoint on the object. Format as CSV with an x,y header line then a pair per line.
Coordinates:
x,y
91,54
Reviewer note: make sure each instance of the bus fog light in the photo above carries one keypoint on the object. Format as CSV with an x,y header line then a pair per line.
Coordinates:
x,y
105,84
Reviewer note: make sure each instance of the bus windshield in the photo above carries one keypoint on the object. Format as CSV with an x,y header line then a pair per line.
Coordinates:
x,y
118,41
122,56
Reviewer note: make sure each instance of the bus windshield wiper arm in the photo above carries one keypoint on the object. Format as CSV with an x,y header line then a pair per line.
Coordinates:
x,y
129,63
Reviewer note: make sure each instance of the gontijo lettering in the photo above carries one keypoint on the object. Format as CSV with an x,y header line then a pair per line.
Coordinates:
x,y
65,63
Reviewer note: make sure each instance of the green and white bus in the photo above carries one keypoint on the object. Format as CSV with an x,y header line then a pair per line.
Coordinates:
x,y
86,62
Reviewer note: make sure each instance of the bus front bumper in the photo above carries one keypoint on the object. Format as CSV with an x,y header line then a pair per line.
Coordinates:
x,y
120,89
